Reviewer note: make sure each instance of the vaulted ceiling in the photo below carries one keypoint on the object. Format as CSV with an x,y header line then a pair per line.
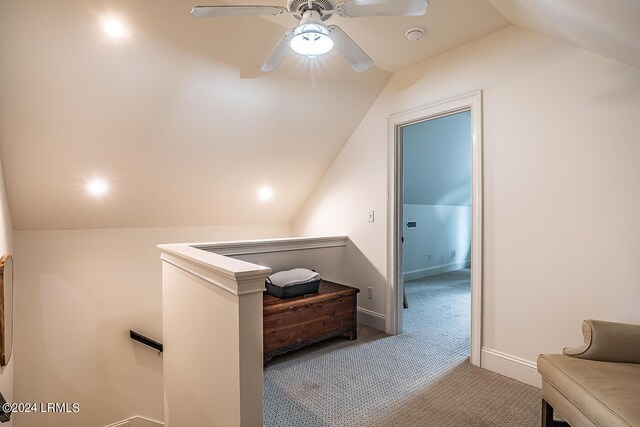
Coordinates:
x,y
177,117
609,28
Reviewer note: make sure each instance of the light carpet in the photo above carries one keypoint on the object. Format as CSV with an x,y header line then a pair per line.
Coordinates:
x,y
420,378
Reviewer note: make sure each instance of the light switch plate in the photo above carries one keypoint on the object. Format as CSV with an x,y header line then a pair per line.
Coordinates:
x,y
372,216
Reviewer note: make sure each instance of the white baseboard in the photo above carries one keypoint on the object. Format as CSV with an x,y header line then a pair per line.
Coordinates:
x,y
371,318
137,422
511,366
421,273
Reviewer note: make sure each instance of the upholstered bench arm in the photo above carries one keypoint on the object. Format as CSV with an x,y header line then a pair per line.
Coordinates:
x,y
608,342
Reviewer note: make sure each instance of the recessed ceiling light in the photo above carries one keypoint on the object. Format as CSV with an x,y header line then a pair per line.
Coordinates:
x,y
265,193
97,187
114,28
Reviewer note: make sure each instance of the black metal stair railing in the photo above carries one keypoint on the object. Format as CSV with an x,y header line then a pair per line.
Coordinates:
x,y
146,341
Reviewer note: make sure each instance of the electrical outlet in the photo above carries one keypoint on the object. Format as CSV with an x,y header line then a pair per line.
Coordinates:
x,y
370,292
372,216
428,257
453,254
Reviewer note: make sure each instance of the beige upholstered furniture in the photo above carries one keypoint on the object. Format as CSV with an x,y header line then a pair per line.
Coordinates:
x,y
597,384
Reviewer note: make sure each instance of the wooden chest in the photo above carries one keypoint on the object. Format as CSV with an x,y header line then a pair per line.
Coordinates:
x,y
292,323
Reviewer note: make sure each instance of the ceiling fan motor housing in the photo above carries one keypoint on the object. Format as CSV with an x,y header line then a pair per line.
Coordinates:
x,y
312,37
298,7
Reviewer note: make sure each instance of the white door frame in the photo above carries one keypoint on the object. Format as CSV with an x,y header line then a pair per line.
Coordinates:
x,y
471,102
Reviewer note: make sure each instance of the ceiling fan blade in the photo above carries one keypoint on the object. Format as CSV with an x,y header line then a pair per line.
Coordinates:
x,y
209,11
361,8
358,59
278,53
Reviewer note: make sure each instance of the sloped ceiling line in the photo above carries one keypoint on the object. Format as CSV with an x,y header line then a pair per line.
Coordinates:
x,y
174,118
607,28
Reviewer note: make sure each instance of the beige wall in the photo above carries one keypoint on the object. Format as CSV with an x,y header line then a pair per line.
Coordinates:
x,y
79,294
562,236
561,180
6,246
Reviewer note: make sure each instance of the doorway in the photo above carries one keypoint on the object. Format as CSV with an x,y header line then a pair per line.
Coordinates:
x,y
435,214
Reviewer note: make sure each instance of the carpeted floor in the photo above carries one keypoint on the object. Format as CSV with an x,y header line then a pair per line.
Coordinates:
x,y
419,378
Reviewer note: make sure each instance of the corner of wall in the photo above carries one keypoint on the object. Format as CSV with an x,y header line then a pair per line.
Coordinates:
x,y
307,220
6,246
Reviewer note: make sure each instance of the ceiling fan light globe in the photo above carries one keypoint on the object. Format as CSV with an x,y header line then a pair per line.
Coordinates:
x,y
311,40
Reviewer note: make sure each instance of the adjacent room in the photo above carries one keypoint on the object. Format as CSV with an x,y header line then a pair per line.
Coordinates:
x,y
286,213
436,234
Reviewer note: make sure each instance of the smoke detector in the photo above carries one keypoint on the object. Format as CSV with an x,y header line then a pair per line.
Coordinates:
x,y
414,34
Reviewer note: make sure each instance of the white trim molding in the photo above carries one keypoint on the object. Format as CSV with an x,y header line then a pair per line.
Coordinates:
x,y
372,319
421,273
213,262
511,366
471,102
137,422
233,275
250,247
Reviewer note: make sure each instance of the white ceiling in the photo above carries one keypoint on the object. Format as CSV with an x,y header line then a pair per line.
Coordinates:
x,y
609,28
172,116
448,24
181,122
177,116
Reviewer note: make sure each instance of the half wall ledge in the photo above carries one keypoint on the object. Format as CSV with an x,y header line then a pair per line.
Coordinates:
x,y
212,325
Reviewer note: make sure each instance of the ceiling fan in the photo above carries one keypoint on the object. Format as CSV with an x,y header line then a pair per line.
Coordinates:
x,y
312,37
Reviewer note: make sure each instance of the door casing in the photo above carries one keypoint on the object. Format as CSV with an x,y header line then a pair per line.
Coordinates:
x,y
470,102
